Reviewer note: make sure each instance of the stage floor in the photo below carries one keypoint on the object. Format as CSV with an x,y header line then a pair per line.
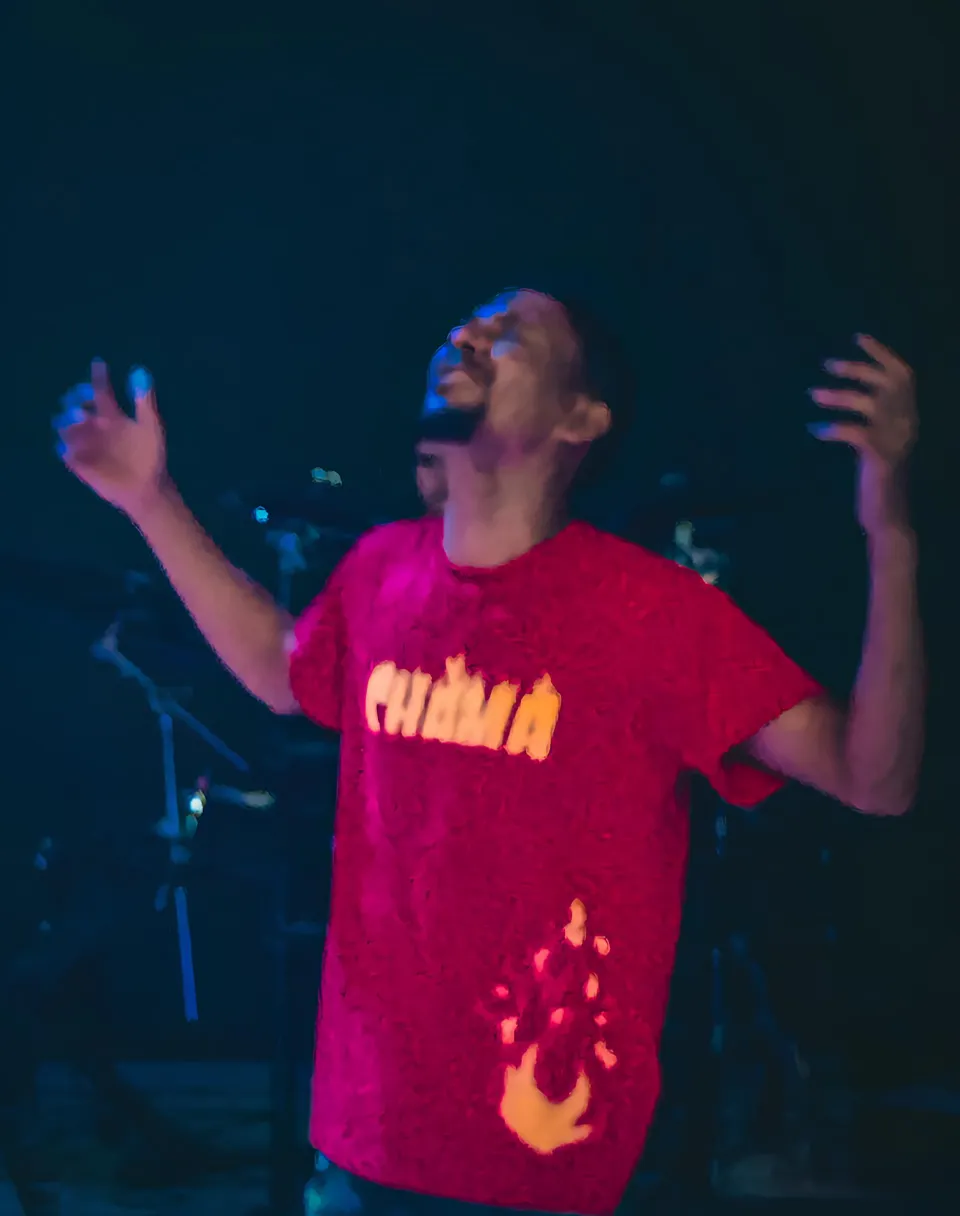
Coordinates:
x,y
226,1105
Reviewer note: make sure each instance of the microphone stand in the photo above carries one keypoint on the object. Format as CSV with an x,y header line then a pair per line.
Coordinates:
x,y
289,546
168,711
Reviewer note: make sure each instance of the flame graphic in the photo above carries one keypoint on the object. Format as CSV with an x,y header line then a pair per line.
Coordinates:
x,y
542,1124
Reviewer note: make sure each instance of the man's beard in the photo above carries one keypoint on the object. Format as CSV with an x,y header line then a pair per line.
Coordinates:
x,y
443,423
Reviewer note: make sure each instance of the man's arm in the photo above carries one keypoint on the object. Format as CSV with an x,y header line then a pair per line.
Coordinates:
x,y
870,756
240,620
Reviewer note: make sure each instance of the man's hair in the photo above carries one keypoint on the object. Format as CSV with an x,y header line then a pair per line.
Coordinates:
x,y
604,374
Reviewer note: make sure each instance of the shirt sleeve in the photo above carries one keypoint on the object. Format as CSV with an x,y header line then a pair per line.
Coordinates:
x,y
317,655
739,681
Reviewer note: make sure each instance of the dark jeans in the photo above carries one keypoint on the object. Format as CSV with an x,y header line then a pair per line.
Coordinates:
x,y
334,1192
342,1194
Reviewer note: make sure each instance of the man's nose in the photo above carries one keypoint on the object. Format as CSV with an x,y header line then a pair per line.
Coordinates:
x,y
471,337
461,337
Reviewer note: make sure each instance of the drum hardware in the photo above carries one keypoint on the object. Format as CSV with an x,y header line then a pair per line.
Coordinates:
x,y
202,792
172,827
709,563
667,519
306,538
730,952
328,477
308,529
290,546
156,627
321,500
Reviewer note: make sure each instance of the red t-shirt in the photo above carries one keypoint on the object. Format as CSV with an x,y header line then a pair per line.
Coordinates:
x,y
511,840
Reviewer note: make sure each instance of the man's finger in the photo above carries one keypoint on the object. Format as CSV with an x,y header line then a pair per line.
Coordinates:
x,y
844,399
883,355
103,399
73,426
142,394
75,405
840,432
145,407
71,420
865,373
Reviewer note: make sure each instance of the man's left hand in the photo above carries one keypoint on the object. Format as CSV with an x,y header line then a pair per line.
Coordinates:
x,y
887,402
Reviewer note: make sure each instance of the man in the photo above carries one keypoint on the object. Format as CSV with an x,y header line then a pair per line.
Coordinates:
x,y
519,700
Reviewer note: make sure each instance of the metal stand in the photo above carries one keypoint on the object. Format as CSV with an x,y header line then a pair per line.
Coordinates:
x,y
729,953
807,1159
171,827
287,1176
289,546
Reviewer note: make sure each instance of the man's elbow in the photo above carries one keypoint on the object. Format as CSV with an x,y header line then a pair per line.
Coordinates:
x,y
886,804
273,689
281,701
273,685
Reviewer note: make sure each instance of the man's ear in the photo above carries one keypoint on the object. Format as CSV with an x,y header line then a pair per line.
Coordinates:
x,y
586,421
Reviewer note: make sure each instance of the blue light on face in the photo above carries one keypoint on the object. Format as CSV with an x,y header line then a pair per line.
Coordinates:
x,y
261,515
497,306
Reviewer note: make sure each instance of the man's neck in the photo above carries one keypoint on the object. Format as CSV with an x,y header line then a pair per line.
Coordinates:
x,y
491,518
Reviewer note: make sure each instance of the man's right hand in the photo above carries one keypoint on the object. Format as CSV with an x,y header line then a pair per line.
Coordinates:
x,y
122,459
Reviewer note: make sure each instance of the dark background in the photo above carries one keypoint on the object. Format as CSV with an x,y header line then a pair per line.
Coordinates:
x,y
281,209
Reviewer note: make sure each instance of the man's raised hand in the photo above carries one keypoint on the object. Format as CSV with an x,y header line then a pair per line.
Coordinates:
x,y
882,430
122,459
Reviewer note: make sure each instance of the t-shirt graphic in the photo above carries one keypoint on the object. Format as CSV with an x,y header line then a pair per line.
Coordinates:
x,y
457,709
511,841
547,1021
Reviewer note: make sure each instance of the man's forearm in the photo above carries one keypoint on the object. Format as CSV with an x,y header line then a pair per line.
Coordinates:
x,y
239,619
885,727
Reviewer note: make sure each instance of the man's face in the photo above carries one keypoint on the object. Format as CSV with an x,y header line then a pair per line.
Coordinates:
x,y
516,359
431,478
